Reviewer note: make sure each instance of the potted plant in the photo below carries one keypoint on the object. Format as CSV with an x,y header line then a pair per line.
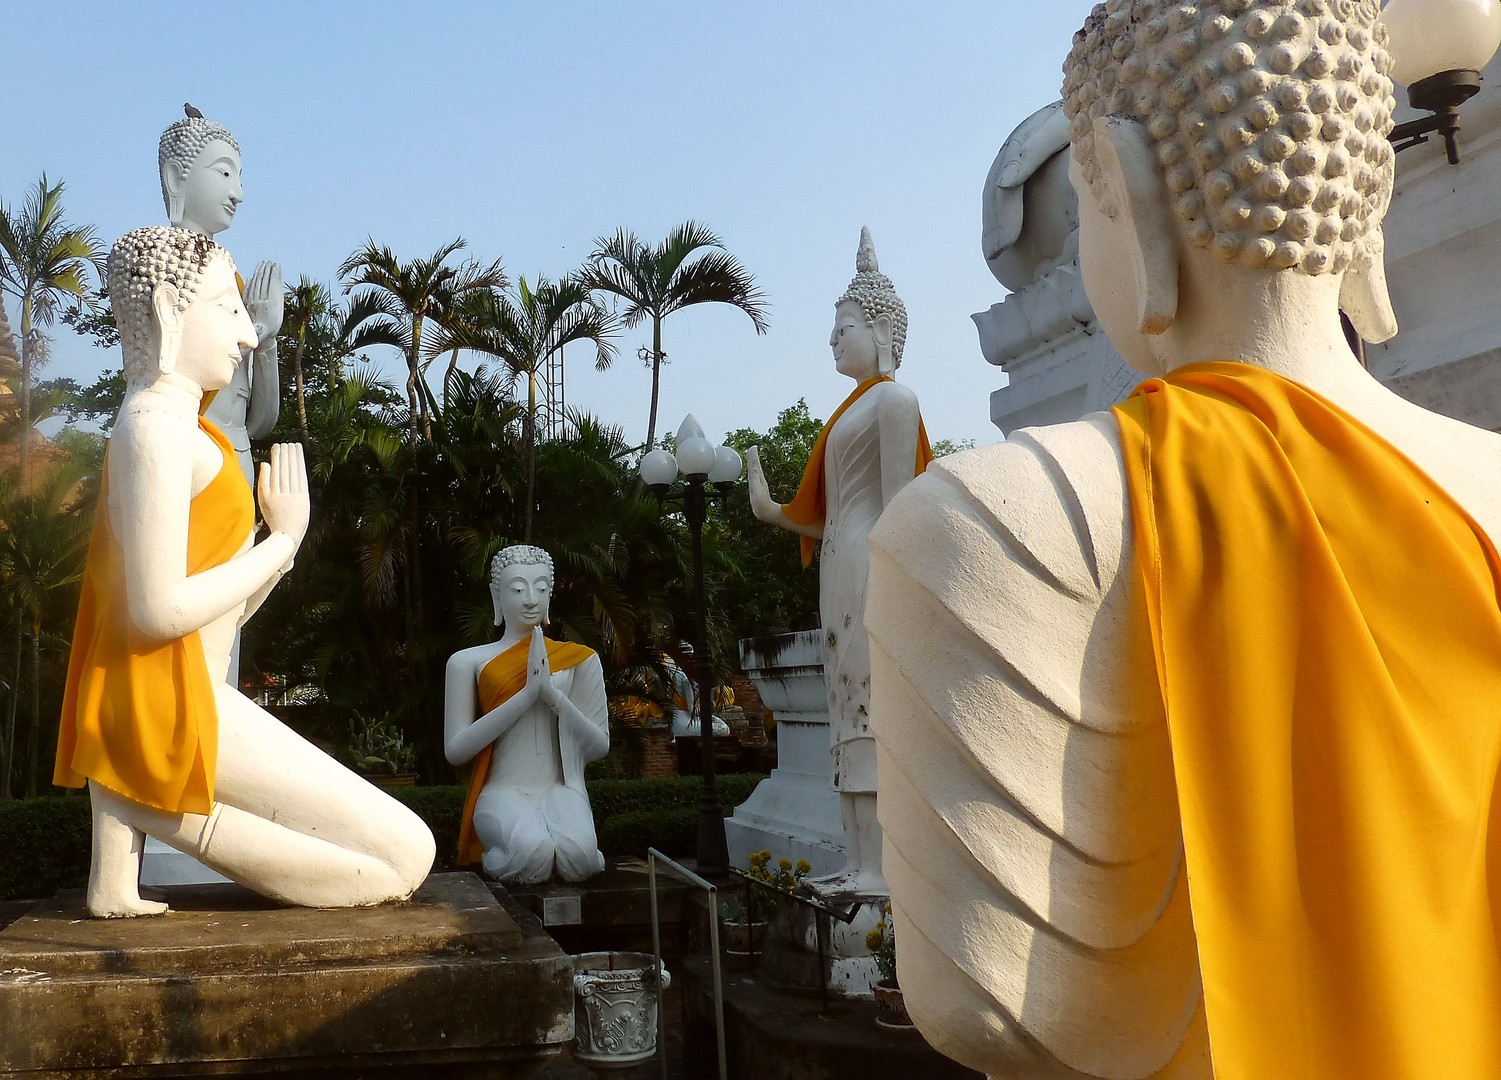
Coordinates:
x,y
379,752
891,1010
744,920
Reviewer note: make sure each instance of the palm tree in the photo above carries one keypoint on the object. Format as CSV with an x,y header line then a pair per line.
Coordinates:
x,y
304,304
42,259
43,539
655,282
401,297
523,332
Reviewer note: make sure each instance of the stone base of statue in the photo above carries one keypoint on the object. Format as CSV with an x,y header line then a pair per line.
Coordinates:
x,y
447,984
795,812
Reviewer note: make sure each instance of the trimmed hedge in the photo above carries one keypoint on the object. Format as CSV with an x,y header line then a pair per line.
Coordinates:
x,y
44,842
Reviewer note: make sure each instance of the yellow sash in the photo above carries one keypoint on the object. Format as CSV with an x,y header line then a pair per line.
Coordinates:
x,y
1328,645
810,505
138,713
497,681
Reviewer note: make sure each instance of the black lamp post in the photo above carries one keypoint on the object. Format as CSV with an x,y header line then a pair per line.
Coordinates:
x,y
703,466
1438,48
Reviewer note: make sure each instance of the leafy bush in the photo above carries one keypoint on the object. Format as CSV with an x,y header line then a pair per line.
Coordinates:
x,y
44,843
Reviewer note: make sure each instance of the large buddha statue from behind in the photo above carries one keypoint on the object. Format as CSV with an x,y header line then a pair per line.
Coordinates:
x,y
1187,713
199,163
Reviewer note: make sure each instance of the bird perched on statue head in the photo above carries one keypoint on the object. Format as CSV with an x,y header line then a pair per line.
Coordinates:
x,y
188,110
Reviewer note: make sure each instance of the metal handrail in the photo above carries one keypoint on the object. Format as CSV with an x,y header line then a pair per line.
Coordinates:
x,y
822,912
653,856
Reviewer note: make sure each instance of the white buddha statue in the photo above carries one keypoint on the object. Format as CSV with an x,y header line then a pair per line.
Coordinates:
x,y
165,742
1186,714
867,452
199,163
685,720
530,713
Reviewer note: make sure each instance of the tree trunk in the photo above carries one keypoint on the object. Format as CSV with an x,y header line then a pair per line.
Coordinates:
x,y
529,434
297,377
10,716
34,723
656,379
427,424
25,445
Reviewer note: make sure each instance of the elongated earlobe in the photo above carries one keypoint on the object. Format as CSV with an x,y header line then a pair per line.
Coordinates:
x,y
1136,196
1363,294
174,177
881,329
164,302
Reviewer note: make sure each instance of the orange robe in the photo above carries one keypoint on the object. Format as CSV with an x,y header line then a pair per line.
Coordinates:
x,y
810,505
139,715
502,677
1328,644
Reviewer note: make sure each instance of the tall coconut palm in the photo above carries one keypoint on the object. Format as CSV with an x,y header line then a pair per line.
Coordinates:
x,y
656,281
523,331
303,305
402,297
42,259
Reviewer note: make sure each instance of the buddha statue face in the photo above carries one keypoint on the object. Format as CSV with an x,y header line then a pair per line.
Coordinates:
x,y
178,307
870,320
521,579
856,341
199,162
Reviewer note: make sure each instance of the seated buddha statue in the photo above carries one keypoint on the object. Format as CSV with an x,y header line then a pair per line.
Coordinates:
x,y
530,713
151,723
1186,712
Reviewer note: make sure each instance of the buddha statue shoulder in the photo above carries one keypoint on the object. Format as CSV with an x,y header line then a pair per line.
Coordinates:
x,y
1175,738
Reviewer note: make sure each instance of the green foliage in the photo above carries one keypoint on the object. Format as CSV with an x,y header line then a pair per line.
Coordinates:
x,y
377,746
773,593
442,808
944,447
46,846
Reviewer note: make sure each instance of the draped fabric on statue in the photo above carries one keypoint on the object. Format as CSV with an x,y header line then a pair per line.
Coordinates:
x,y
138,712
809,506
1328,643
497,681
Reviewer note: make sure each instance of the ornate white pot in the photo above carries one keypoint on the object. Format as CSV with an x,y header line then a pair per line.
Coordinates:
x,y
615,1008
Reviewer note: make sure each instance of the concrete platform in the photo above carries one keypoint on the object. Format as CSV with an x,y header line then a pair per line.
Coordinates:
x,y
451,983
611,911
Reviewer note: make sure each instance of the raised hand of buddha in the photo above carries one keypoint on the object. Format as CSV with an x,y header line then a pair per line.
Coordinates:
x,y
263,299
283,491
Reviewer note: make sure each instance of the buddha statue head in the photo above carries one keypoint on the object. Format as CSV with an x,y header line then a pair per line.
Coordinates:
x,y
177,306
521,580
870,320
199,162
1247,132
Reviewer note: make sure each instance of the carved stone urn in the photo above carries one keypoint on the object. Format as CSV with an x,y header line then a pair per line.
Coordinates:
x,y
615,1008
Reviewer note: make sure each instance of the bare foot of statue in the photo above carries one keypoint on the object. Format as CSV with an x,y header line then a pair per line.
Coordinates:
x,y
114,877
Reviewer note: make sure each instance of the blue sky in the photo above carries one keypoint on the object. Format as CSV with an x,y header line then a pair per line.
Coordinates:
x,y
531,129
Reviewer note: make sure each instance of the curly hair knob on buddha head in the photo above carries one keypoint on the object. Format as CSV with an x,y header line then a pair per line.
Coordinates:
x,y
1280,104
140,261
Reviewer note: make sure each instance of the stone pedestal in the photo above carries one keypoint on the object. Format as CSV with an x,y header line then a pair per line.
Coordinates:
x,y
794,813
448,984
